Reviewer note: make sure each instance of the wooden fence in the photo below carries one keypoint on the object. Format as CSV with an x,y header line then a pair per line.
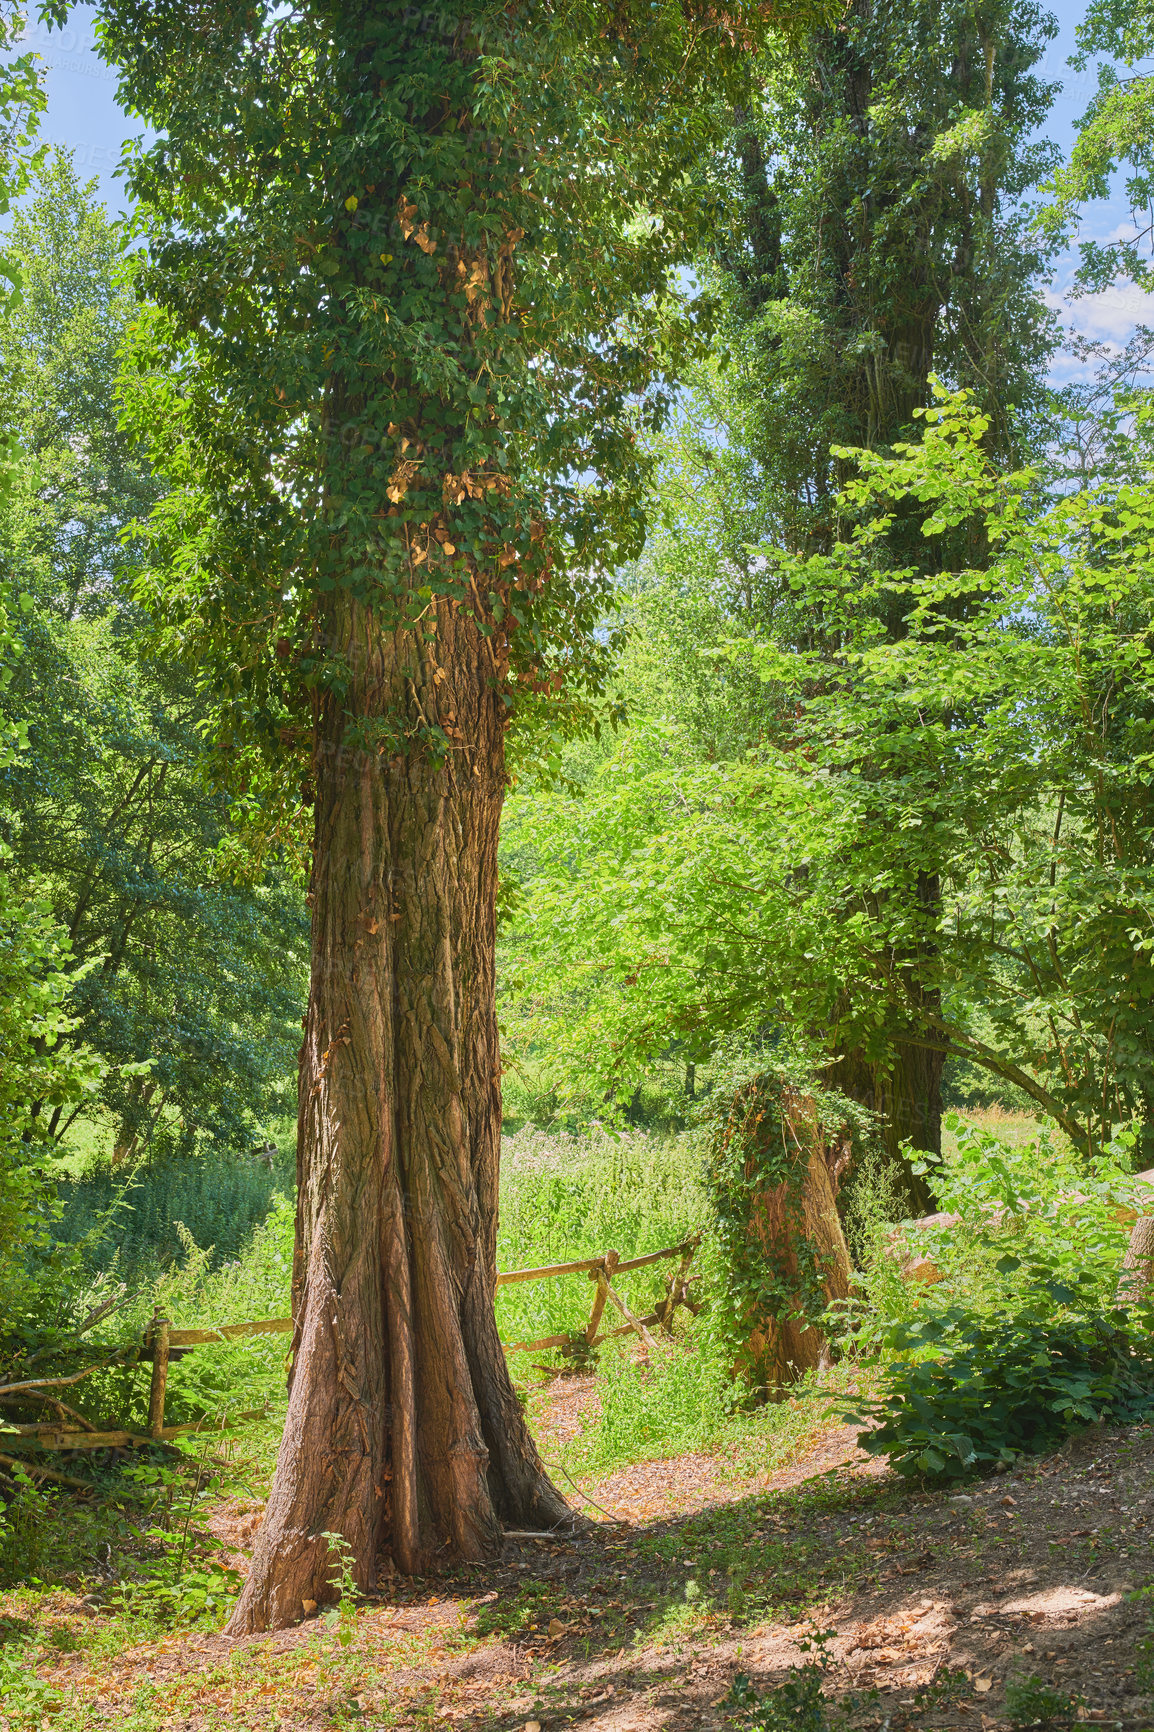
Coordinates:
x,y
162,1343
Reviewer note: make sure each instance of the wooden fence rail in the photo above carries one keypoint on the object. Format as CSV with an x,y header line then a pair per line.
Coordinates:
x,y
162,1343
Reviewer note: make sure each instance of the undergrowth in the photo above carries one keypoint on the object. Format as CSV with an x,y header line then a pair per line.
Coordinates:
x,y
1000,1328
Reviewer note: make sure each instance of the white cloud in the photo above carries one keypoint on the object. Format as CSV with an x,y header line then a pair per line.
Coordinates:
x,y
1108,317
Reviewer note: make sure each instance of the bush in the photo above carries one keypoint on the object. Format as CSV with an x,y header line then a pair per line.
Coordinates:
x,y
1030,1702
1017,1342
1002,1390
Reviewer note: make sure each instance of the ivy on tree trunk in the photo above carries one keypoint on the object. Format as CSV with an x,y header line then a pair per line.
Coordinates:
x,y
414,297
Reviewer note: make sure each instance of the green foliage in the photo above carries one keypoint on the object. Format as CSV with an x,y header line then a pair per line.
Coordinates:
x,y
434,329
679,1401
1003,1390
1019,1341
797,1705
800,1703
233,1376
1002,758
22,1690
564,1197
182,1581
129,1222
872,232
344,1619
192,981
1145,1667
63,1320
1117,129
24,1508
1015,1219
22,103
42,1070
1031,1702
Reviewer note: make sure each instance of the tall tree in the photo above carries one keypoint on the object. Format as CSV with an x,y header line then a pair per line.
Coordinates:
x,y
877,236
416,292
39,1060
684,896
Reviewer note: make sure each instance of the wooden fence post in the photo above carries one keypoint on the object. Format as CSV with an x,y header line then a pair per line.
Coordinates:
x,y
677,1293
602,1276
158,1334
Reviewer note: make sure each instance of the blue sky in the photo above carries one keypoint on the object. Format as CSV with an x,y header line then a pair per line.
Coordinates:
x,y
83,114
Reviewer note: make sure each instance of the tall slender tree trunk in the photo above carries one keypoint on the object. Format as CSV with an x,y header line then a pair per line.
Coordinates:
x,y
906,1093
905,1089
404,1432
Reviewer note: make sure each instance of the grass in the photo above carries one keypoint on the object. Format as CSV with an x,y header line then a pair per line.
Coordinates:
x,y
1017,1129
132,1219
562,1197
565,1197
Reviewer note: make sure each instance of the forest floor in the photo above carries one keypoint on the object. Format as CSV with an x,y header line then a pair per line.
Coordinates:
x,y
694,1574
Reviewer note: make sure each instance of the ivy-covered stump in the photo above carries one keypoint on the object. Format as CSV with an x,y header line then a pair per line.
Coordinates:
x,y
776,1162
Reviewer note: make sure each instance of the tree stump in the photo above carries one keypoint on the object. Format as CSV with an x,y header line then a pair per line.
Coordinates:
x,y
776,1164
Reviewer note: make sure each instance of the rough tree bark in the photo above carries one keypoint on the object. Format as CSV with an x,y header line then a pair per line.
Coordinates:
x,y
404,1432
906,1094
1138,1266
793,1229
786,1251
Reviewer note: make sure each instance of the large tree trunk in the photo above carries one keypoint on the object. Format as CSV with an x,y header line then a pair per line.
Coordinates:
x,y
404,1431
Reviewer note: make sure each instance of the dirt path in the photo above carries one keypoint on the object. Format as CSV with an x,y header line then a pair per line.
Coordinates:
x,y
642,1623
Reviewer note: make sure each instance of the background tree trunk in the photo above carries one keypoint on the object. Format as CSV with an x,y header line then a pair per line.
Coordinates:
x,y
906,1093
404,1430
905,1089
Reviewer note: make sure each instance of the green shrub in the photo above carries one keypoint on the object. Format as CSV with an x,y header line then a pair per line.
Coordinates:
x,y
1030,1702
1018,1343
1000,1390
229,1376
23,1521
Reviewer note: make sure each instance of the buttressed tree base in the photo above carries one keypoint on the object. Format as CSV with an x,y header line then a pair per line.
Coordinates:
x,y
413,293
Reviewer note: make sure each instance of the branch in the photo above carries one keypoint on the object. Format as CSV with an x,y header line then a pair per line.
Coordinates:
x,y
47,1473
1001,1067
55,1382
60,1407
